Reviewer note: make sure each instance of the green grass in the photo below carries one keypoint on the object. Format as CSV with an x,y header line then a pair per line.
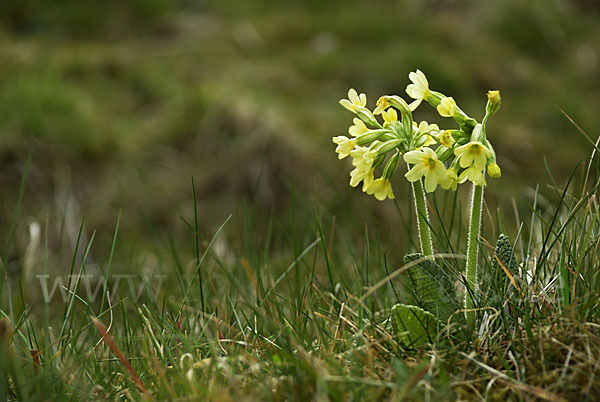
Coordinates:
x,y
302,312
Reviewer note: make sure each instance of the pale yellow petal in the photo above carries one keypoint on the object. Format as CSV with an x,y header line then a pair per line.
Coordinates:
x,y
353,96
415,91
466,160
362,100
414,104
460,150
414,157
347,104
416,173
479,161
430,152
419,78
430,183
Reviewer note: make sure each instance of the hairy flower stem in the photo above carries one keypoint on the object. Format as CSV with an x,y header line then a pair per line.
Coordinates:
x,y
472,252
422,218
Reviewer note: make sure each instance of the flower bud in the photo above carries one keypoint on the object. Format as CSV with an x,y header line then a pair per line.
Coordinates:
x,y
370,136
398,103
388,146
494,101
367,116
444,153
391,166
494,170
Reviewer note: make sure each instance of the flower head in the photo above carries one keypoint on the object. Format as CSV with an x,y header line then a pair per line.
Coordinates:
x,y
419,88
472,174
381,189
344,145
473,153
358,128
447,107
426,164
354,100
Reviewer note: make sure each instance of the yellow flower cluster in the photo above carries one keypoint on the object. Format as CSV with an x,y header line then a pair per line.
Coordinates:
x,y
444,157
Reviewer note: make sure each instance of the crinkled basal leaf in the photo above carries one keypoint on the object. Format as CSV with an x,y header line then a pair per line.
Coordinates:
x,y
432,287
413,326
506,254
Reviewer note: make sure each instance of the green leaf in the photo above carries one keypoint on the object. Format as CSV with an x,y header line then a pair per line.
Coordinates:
x,y
432,288
505,254
414,326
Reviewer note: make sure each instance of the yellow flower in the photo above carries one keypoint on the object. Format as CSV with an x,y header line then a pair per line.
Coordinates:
x,y
381,189
356,176
363,158
451,182
425,127
472,174
358,128
425,141
473,153
354,100
418,90
382,104
389,116
426,164
494,170
446,139
344,145
447,107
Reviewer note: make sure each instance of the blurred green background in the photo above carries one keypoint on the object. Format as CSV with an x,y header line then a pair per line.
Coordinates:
x,y
121,102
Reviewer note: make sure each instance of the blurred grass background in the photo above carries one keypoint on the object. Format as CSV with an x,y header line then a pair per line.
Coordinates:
x,y
121,103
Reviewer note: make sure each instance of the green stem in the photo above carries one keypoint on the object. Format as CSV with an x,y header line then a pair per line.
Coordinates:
x,y
422,218
472,252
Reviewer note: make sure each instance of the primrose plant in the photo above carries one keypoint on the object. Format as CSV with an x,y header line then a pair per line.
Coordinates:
x,y
444,157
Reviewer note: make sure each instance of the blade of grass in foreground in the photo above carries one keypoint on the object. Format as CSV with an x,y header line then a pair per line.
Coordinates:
x,y
11,232
110,258
68,316
201,260
197,244
325,253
